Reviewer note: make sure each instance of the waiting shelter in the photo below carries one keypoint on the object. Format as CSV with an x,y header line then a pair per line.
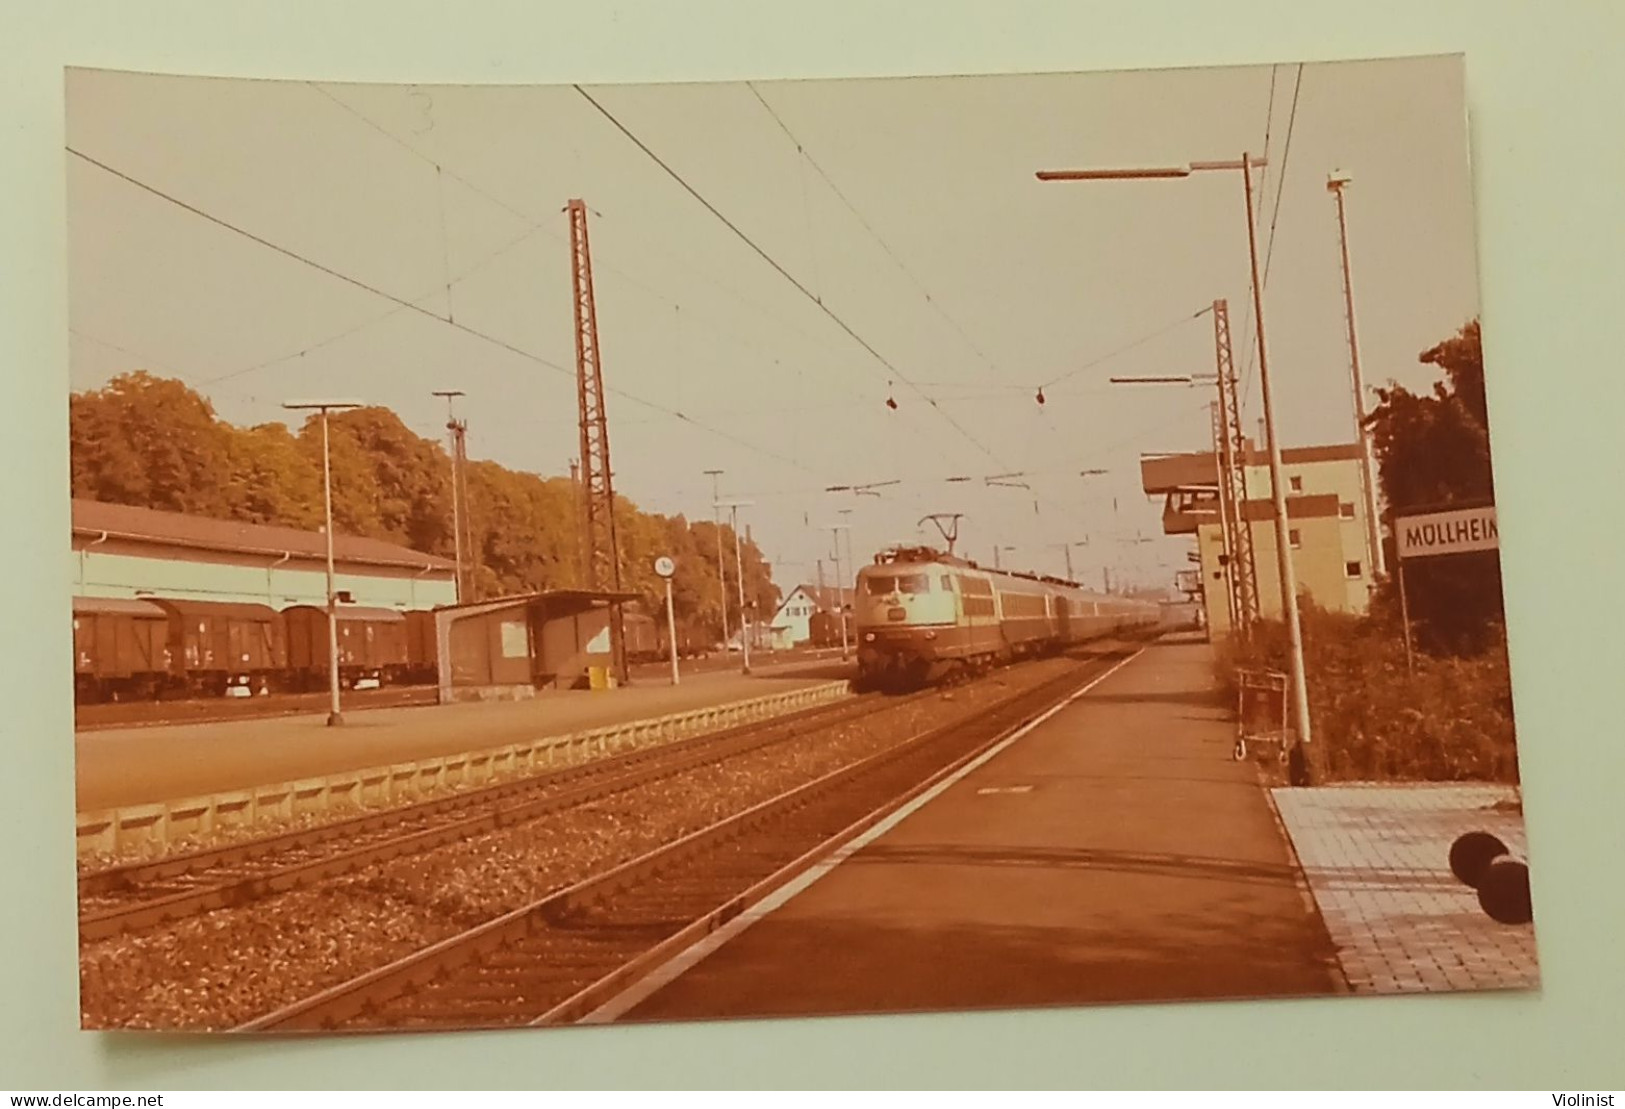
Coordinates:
x,y
506,649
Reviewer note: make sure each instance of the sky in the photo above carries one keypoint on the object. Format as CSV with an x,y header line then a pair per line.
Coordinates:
x,y
775,261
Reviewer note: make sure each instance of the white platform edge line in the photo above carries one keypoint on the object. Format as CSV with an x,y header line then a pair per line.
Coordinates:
x,y
667,972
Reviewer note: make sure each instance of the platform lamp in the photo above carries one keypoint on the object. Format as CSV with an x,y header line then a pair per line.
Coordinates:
x,y
733,508
334,716
1289,590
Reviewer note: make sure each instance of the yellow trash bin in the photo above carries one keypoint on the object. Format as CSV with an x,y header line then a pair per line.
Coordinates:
x,y
597,677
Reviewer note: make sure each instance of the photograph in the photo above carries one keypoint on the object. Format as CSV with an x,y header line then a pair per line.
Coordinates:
x,y
589,554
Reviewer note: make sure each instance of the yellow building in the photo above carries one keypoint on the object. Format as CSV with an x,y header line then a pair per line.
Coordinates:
x,y
1328,539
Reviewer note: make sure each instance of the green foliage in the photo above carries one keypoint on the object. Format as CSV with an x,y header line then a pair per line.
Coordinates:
x,y
150,441
1447,716
1450,720
154,442
1433,451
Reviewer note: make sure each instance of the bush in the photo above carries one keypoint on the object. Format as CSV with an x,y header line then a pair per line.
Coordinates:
x,y
1450,720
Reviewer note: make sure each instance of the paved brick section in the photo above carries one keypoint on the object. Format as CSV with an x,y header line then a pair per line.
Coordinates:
x,y
1115,853
1377,859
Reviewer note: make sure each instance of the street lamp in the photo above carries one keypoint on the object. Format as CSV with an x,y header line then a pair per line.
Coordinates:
x,y
334,717
722,570
457,428
1289,588
733,508
840,583
1335,185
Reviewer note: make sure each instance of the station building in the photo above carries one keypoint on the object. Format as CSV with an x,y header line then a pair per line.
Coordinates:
x,y
125,552
1327,534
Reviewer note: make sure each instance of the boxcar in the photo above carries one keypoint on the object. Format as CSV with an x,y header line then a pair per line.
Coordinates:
x,y
824,629
215,646
372,645
422,648
120,649
643,640
692,641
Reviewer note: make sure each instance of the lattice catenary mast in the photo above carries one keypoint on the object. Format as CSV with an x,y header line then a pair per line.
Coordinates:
x,y
1232,460
603,551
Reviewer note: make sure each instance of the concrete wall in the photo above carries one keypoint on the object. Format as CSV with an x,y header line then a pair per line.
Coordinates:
x,y
120,568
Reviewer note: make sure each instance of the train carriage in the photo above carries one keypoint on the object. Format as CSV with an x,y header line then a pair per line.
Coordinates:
x,y
922,615
215,646
120,648
648,638
373,646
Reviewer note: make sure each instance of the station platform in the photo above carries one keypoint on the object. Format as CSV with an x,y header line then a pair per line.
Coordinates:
x,y
119,767
1115,852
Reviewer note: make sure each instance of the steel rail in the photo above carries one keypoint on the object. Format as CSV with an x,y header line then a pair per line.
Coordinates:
x,y
555,959
149,897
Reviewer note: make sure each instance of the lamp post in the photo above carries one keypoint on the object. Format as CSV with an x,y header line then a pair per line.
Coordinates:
x,y
733,508
840,585
722,570
851,560
1283,556
334,716
457,428
1334,185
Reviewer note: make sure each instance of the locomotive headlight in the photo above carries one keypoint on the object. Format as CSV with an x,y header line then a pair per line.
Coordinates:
x,y
868,637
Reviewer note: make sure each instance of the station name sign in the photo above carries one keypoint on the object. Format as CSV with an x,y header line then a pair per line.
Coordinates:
x,y
1439,533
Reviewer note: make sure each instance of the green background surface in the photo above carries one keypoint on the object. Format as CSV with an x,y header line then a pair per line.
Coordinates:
x,y
1545,91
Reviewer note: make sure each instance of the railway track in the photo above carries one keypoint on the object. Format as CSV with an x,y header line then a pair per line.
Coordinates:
x,y
559,959
114,715
137,896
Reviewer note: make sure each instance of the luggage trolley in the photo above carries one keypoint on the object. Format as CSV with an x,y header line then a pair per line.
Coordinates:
x,y
1261,711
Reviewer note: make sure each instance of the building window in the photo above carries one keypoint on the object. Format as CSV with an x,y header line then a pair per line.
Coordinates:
x,y
1352,569
1296,483
1293,539
1345,509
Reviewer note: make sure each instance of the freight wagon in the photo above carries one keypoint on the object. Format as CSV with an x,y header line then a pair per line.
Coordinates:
x,y
159,648
647,639
372,646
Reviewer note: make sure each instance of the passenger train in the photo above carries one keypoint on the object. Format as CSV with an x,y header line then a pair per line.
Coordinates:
x,y
922,615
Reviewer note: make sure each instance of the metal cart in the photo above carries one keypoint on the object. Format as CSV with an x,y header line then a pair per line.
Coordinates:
x,y
1261,712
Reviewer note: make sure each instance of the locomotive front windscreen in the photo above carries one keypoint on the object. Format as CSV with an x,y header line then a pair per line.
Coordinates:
x,y
878,585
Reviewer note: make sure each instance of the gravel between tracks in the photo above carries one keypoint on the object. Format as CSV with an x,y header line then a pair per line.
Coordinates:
x,y
144,851
230,965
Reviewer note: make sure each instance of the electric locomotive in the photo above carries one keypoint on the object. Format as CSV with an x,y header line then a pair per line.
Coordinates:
x,y
922,615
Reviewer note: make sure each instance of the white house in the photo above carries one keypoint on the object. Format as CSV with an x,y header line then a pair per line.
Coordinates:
x,y
792,623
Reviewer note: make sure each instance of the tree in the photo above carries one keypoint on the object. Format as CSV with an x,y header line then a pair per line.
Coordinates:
x,y
156,443
149,441
1433,452
273,480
